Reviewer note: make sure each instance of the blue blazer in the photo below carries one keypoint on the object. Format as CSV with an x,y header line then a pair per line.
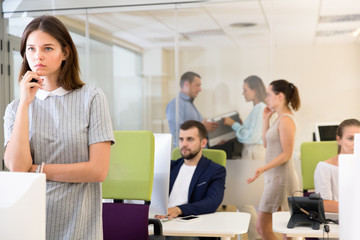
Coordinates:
x,y
207,186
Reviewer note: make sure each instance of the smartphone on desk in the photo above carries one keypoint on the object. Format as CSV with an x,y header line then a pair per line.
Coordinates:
x,y
190,218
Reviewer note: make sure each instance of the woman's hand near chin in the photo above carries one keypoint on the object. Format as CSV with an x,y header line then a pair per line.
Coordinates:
x,y
29,84
267,113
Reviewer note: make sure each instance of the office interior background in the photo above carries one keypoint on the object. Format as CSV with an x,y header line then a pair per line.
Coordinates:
x,y
136,51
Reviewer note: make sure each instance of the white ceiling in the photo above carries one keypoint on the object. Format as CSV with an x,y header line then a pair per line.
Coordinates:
x,y
208,23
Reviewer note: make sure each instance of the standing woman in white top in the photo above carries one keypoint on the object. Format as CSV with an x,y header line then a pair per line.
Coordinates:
x,y
280,178
62,123
249,132
326,172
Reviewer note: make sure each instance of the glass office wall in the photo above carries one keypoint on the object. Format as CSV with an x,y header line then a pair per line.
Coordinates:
x,y
136,55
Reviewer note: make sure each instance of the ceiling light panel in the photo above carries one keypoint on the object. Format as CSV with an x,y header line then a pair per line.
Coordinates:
x,y
340,18
238,12
187,20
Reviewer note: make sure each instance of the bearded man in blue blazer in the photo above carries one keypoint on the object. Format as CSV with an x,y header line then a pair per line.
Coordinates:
x,y
197,184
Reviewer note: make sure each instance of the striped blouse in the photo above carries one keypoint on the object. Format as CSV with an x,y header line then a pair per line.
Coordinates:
x,y
61,129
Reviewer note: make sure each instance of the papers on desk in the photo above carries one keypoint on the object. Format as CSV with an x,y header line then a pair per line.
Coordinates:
x,y
222,132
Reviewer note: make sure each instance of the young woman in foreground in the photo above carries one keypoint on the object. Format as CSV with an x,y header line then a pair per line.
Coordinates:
x,y
61,126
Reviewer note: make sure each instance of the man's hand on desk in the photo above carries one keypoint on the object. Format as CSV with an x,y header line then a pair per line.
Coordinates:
x,y
173,212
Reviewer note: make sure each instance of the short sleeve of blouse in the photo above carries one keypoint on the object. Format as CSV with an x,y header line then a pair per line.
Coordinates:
x,y
100,126
9,120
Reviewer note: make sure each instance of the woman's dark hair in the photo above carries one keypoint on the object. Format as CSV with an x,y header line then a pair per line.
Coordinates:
x,y
255,83
344,124
195,124
69,77
289,90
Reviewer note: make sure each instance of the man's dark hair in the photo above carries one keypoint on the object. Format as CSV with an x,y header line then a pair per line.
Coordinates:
x,y
189,77
194,124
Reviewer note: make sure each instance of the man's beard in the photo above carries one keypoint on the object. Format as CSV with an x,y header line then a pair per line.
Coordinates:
x,y
190,155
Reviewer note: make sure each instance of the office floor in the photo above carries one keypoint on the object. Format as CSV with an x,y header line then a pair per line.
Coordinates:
x,y
232,208
245,237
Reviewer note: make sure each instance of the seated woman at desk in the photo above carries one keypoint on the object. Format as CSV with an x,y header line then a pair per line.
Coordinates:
x,y
249,132
326,172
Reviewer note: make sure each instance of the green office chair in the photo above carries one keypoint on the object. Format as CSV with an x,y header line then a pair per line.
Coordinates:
x,y
311,153
216,155
130,177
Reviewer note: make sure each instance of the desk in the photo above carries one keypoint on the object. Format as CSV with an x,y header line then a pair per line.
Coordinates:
x,y
281,219
218,224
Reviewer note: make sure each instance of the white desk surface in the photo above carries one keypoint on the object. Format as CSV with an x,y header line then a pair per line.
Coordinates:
x,y
281,219
218,224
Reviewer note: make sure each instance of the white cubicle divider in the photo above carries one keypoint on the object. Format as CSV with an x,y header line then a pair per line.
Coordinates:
x,y
349,193
238,192
22,206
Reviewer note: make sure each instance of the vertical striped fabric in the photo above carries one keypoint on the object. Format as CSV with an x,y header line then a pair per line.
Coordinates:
x,y
61,130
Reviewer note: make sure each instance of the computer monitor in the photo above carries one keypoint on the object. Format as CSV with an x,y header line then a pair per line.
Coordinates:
x,y
326,131
22,206
162,158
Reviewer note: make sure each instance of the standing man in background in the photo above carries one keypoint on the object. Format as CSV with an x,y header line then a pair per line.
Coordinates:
x,y
190,84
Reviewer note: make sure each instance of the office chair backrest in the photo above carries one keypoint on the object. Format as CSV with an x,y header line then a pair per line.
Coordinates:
x,y
311,153
131,170
130,177
216,155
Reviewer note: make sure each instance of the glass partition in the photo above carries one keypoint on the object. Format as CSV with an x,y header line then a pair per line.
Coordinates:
x,y
137,55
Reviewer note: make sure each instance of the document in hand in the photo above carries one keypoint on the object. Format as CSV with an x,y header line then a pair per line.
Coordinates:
x,y
222,132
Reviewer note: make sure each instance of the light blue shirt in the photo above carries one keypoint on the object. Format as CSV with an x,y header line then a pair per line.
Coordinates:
x,y
187,111
250,132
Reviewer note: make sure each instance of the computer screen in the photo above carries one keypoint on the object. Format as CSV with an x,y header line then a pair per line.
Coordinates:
x,y
162,158
325,131
22,206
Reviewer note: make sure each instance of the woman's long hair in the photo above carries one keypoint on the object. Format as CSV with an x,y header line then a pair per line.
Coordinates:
x,y
69,77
